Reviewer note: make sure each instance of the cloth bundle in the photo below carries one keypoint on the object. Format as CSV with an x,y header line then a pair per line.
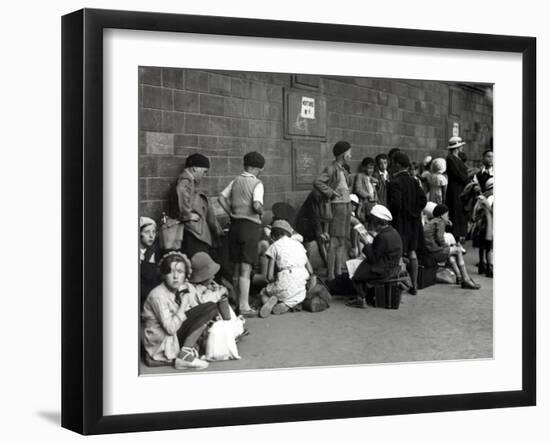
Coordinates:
x,y
220,344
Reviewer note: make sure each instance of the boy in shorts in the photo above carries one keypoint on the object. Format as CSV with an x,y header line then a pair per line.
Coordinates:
x,y
243,199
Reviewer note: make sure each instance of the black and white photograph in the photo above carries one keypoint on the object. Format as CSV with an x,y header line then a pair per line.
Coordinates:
x,y
275,221
294,221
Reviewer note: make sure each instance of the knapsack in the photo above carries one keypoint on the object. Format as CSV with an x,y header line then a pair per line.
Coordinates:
x,y
317,298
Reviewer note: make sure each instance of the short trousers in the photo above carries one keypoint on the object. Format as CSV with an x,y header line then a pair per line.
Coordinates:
x,y
191,245
244,236
341,219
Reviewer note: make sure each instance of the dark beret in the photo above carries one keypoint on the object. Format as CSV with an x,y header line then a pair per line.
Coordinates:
x,y
197,160
340,148
440,210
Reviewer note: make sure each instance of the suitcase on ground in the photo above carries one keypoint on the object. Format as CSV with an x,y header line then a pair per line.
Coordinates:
x,y
426,276
386,294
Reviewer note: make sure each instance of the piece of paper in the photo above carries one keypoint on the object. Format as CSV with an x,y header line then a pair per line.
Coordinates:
x,y
308,108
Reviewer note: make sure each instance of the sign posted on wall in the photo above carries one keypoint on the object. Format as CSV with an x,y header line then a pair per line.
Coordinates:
x,y
308,108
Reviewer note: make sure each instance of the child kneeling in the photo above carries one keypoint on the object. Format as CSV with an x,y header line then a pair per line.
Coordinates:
x,y
286,287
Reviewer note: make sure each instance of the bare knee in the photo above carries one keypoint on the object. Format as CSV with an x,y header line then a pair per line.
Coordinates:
x,y
245,269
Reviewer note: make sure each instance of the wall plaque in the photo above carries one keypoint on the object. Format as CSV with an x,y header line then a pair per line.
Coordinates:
x,y
305,115
306,158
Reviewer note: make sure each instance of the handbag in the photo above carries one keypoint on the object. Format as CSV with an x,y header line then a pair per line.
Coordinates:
x,y
171,234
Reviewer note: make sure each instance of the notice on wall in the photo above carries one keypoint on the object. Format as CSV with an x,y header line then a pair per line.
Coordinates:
x,y
455,129
306,158
308,108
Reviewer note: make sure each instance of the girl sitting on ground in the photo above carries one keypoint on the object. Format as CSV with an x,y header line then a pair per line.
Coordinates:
x,y
281,211
288,272
149,274
171,326
437,247
207,290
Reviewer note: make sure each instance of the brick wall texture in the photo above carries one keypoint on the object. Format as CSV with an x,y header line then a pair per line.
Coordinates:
x,y
225,114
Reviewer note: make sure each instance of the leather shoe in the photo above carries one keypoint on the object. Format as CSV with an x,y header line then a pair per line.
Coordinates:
x,y
470,284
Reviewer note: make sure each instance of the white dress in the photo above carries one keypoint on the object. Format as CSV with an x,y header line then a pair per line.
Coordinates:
x,y
290,261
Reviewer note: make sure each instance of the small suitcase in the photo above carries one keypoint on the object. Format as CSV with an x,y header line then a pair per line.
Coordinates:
x,y
426,276
386,294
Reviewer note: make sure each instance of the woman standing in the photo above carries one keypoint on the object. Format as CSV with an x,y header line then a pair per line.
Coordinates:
x,y
457,174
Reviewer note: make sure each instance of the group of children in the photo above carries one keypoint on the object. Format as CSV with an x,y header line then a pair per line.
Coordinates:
x,y
375,215
184,292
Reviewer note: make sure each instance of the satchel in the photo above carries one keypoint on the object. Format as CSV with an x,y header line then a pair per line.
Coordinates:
x,y
171,234
317,298
445,275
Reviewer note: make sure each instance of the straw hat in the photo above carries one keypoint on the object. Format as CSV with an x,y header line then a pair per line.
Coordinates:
x,y
455,142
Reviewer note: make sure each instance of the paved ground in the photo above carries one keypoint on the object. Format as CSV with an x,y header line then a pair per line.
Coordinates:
x,y
443,322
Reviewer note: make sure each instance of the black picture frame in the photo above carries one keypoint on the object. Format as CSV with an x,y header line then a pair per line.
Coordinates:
x,y
82,190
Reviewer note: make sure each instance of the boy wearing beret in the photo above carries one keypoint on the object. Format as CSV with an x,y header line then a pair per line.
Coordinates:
x,y
243,201
193,209
333,184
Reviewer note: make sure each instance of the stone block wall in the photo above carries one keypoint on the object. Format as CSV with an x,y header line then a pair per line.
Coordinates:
x,y
225,114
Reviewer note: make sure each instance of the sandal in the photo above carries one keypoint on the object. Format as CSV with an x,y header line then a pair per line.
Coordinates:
x,y
267,307
249,313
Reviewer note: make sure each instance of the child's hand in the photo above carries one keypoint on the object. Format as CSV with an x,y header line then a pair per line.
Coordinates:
x,y
312,282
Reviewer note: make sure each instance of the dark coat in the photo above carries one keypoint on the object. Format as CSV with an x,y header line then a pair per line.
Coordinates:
x,y
308,219
149,273
406,199
185,199
327,182
458,178
382,257
382,188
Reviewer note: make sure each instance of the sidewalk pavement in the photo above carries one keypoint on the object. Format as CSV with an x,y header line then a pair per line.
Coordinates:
x,y
442,322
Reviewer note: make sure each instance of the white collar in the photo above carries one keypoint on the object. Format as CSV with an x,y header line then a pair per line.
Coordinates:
x,y
247,174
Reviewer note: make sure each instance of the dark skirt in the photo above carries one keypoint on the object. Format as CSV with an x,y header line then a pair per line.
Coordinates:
x,y
412,234
191,245
366,273
440,256
196,318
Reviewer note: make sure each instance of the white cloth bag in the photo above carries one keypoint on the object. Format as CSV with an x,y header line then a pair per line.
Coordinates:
x,y
220,344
